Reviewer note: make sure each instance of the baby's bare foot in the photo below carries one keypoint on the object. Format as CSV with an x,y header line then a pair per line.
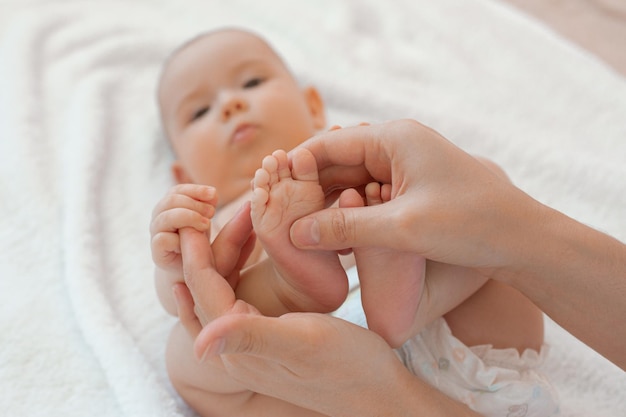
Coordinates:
x,y
391,281
307,280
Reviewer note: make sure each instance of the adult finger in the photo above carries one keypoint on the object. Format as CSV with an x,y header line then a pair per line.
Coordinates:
x,y
211,292
233,242
185,310
342,228
272,338
358,151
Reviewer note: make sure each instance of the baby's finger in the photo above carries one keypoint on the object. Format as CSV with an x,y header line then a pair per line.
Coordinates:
x,y
203,199
165,247
172,201
174,219
196,191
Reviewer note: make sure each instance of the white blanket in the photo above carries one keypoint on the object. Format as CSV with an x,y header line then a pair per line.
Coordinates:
x,y
82,162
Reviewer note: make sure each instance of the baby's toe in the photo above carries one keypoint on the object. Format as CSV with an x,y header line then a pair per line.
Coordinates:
x,y
304,166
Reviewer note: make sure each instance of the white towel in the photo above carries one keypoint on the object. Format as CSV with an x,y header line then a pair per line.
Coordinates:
x,y
82,163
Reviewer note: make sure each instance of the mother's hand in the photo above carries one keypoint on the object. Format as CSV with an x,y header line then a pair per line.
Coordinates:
x,y
445,204
320,363
449,207
314,361
212,272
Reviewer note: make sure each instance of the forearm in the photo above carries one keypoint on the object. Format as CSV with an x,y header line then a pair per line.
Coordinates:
x,y
576,275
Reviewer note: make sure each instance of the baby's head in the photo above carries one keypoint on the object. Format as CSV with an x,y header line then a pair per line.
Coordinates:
x,y
227,100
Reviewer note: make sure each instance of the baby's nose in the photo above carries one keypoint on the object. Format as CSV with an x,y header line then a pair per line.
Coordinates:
x,y
233,106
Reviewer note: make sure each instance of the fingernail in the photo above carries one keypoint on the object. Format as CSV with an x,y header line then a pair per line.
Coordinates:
x,y
306,232
216,348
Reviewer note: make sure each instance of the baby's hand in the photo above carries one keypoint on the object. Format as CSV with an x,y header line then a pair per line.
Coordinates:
x,y
185,205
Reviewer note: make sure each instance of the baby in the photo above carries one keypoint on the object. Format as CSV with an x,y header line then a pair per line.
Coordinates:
x,y
227,102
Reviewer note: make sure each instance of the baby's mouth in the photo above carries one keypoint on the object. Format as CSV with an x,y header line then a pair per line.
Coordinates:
x,y
244,133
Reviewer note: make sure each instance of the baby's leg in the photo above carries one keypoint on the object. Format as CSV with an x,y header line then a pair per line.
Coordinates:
x,y
497,314
390,309
307,280
500,316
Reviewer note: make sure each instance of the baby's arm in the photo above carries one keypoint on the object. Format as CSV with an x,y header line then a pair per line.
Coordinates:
x,y
185,205
191,205
207,386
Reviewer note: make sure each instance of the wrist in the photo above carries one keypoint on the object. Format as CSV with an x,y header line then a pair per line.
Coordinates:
x,y
553,249
575,274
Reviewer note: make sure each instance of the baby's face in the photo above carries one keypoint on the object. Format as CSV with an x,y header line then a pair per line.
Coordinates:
x,y
227,100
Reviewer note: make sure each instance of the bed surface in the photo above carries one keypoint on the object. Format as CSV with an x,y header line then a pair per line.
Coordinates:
x,y
82,163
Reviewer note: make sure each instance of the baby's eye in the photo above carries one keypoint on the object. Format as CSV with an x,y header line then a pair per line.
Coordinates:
x,y
253,82
199,113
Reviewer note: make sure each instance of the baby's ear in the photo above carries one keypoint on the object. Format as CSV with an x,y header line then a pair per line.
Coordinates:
x,y
316,107
180,174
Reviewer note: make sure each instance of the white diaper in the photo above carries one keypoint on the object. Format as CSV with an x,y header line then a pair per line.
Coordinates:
x,y
493,382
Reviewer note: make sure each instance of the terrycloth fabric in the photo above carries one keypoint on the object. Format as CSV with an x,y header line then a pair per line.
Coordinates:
x,y
82,162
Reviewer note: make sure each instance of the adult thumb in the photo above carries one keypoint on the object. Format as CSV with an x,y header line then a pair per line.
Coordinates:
x,y
195,250
341,228
250,334
212,294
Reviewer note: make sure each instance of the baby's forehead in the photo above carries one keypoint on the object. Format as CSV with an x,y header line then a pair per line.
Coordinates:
x,y
210,47
188,64
210,43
